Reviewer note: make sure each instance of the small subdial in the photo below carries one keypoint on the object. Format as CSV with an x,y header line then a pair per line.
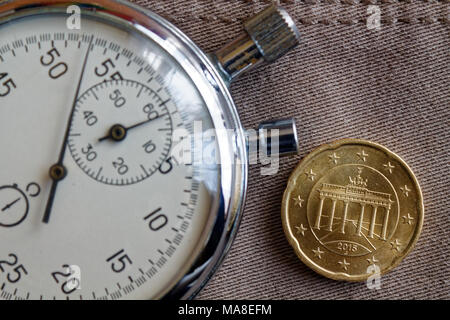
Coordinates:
x,y
121,132
13,206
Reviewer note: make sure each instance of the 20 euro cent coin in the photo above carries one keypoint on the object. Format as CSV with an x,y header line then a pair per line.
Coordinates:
x,y
352,209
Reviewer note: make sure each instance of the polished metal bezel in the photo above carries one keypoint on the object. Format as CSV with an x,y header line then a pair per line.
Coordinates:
x,y
226,215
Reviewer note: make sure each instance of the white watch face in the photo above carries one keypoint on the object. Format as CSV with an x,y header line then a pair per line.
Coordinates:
x,y
126,221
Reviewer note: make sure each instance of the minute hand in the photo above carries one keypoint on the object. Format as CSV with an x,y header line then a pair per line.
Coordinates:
x,y
59,164
124,130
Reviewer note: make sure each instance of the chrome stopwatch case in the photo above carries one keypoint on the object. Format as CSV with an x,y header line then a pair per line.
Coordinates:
x,y
123,160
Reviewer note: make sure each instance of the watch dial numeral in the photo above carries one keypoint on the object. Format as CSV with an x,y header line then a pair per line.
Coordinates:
x,y
119,261
49,57
120,166
90,118
8,85
56,70
166,166
149,146
89,152
16,270
117,98
69,281
105,66
13,260
156,220
149,109
105,69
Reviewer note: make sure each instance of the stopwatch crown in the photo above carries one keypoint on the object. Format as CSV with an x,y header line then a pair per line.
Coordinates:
x,y
274,32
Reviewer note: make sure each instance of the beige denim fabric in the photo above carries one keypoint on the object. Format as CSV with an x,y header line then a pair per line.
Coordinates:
x,y
390,86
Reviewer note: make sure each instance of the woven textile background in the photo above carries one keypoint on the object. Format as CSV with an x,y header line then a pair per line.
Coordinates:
x,y
390,86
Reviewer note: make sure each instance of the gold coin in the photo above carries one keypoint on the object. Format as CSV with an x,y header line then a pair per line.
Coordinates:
x,y
352,209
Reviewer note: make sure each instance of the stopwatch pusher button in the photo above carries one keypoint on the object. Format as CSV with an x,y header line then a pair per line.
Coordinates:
x,y
275,138
269,35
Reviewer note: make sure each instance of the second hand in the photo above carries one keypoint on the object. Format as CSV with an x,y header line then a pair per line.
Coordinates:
x,y
58,171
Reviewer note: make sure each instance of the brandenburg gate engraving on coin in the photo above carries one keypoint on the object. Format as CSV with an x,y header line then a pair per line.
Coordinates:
x,y
355,191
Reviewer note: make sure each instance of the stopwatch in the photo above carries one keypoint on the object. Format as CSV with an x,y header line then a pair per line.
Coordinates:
x,y
123,160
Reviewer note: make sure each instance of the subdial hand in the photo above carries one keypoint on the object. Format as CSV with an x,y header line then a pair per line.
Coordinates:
x,y
10,205
58,172
119,132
